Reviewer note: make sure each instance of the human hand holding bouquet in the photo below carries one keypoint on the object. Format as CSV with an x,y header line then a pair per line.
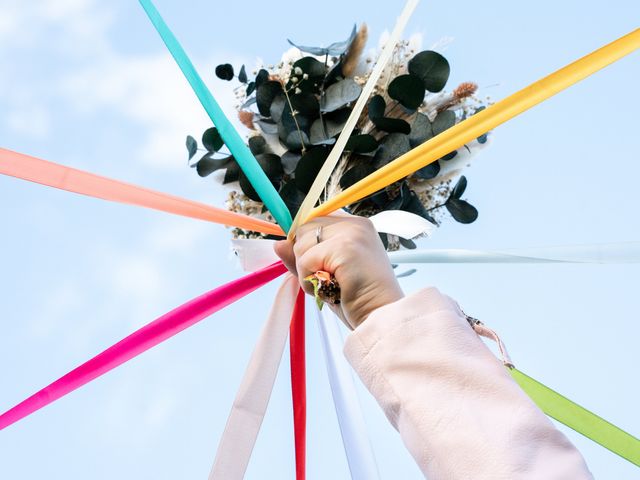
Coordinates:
x,y
348,247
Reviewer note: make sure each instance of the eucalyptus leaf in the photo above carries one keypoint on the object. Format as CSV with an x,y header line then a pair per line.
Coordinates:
x,y
335,49
278,105
312,69
224,71
265,94
376,107
305,103
428,172
333,124
309,166
340,94
231,173
392,125
407,89
212,140
207,165
443,121
450,155
355,174
461,210
290,161
292,197
407,273
192,146
460,187
384,238
391,147
407,243
268,127
432,68
248,102
421,130
261,77
297,140
272,167
364,143
258,145
242,76
251,86
412,204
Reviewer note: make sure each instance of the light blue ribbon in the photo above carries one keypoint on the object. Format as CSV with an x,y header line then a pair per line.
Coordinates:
x,y
229,134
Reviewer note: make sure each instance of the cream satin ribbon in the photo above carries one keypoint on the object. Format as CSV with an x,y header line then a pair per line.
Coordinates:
x,y
334,156
250,404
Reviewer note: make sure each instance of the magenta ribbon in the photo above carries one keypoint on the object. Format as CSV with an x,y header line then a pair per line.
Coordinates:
x,y
143,339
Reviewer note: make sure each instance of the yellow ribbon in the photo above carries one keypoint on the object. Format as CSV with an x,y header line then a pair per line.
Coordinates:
x,y
480,123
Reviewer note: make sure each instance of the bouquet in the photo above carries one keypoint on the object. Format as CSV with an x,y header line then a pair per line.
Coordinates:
x,y
294,111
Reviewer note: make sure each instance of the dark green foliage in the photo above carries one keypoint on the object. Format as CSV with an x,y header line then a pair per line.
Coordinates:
x,y
408,90
461,210
308,167
432,68
192,146
224,71
364,143
212,140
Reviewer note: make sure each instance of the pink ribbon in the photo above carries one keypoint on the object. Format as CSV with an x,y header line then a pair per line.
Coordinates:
x,y
143,339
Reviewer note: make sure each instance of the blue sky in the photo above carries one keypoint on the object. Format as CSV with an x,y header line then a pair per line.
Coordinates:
x,y
89,84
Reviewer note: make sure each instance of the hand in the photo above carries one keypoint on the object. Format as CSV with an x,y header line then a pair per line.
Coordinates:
x,y
350,249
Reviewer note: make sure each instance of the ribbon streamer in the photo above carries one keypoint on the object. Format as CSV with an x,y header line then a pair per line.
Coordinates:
x,y
73,180
252,399
357,447
604,253
143,339
480,123
229,134
334,156
580,419
298,384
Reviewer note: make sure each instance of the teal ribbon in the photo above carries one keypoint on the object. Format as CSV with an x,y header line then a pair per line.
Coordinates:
x,y
229,134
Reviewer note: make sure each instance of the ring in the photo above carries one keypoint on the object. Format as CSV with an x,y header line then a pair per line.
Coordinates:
x,y
318,233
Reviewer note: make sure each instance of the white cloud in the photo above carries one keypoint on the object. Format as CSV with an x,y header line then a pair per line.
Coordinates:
x,y
146,91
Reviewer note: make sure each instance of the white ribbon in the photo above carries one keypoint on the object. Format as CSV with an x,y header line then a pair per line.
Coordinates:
x,y
626,252
357,447
250,404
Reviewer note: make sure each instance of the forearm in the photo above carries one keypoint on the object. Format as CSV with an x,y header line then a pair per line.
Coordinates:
x,y
457,409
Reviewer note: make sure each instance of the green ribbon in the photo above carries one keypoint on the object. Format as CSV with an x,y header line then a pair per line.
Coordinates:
x,y
229,134
579,418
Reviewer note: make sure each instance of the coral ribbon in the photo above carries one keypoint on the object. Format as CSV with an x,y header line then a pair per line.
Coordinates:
x,y
73,180
298,384
252,399
229,134
143,339
480,123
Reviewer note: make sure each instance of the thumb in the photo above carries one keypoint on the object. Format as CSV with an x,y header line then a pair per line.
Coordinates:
x,y
284,250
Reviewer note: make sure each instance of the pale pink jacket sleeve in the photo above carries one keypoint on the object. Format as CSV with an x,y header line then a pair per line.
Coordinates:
x,y
456,407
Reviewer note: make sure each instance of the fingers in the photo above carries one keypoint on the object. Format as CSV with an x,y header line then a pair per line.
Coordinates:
x,y
313,260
